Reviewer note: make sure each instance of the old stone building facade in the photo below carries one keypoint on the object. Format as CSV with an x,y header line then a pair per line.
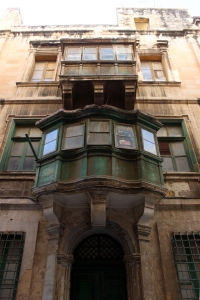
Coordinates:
x,y
100,153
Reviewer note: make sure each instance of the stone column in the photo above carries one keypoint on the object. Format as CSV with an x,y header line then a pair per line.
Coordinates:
x,y
98,92
64,276
144,230
53,230
133,276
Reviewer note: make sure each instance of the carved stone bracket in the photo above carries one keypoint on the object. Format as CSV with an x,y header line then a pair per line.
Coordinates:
x,y
98,208
67,94
144,229
132,260
98,92
65,260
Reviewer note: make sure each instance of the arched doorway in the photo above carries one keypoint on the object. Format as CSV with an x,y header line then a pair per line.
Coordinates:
x,y
98,271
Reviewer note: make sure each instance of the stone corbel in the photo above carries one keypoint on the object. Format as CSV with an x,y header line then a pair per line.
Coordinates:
x,y
162,45
67,94
98,92
130,89
98,208
144,229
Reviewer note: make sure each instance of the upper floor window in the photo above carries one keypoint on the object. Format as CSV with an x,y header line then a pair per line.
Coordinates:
x,y
21,157
119,52
173,149
186,250
152,71
99,132
141,23
44,70
11,250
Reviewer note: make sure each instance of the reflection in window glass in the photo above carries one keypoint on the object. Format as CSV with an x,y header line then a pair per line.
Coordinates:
x,y
74,137
50,142
107,53
73,53
124,137
90,53
149,141
124,53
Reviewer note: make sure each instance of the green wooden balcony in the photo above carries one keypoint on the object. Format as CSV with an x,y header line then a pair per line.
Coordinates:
x,y
98,146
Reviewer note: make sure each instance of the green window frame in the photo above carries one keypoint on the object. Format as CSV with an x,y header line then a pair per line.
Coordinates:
x,y
149,141
11,251
99,132
17,155
186,252
125,136
50,141
73,137
175,147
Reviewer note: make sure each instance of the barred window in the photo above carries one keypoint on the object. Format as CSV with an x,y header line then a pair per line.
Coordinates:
x,y
11,250
186,250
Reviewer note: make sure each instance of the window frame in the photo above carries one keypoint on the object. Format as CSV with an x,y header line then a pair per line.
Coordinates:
x,y
4,257
9,142
190,154
88,132
134,136
186,239
41,154
64,137
155,139
98,52
152,70
42,58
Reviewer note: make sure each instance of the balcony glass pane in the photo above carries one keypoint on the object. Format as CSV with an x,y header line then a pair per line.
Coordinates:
x,y
73,53
107,53
50,147
125,142
74,131
17,149
51,136
150,147
73,142
99,126
90,53
147,135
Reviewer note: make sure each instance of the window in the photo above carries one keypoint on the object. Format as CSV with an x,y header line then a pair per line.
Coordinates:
x,y
44,70
50,142
124,137
186,250
99,132
73,137
119,52
21,157
141,23
11,250
172,148
148,139
152,71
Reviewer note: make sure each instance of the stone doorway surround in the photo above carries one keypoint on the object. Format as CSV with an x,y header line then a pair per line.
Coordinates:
x,y
73,217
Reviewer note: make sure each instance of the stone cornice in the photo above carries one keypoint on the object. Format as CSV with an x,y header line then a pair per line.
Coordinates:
x,y
94,110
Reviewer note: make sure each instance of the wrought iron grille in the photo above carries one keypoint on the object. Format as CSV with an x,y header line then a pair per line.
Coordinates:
x,y
101,247
186,249
11,250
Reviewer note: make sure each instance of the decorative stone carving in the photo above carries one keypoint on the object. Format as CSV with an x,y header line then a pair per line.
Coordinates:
x,y
98,208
